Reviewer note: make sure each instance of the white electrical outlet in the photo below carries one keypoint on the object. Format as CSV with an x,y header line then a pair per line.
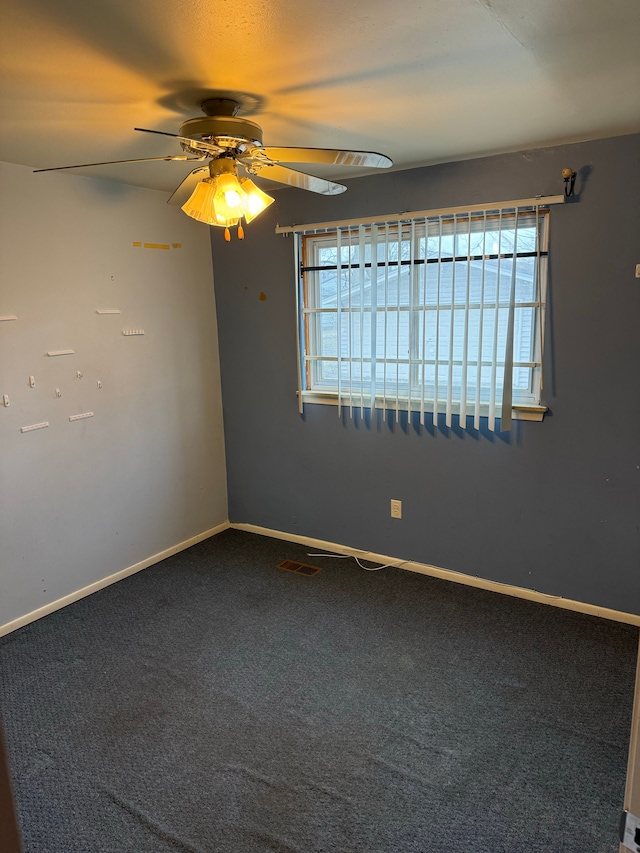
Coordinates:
x,y
396,509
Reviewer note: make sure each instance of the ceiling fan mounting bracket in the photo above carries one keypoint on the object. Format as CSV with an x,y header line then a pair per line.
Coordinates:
x,y
220,107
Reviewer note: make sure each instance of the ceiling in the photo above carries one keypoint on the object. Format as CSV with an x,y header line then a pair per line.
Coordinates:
x,y
423,81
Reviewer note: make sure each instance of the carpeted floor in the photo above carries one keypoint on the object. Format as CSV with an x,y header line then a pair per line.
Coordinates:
x,y
218,704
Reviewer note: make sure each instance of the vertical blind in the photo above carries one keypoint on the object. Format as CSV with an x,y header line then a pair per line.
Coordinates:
x,y
436,311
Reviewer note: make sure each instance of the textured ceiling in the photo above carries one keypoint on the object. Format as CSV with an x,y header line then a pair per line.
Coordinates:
x,y
423,81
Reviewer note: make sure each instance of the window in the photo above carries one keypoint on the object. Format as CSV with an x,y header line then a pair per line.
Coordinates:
x,y
441,313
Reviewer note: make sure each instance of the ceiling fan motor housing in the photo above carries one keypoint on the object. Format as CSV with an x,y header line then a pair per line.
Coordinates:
x,y
224,131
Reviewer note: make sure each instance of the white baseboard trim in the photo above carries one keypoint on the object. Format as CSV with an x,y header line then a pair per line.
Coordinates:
x,y
446,574
114,578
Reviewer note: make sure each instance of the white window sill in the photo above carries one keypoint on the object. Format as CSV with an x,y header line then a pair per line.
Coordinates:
x,y
328,398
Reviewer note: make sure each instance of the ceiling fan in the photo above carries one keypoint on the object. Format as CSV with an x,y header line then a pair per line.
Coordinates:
x,y
213,193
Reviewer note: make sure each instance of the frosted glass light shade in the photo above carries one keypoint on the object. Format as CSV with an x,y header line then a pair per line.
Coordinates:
x,y
200,204
255,200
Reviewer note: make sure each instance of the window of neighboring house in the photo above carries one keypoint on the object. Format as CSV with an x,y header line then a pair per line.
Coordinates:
x,y
435,314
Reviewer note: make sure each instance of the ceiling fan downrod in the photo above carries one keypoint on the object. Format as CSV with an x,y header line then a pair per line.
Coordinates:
x,y
220,107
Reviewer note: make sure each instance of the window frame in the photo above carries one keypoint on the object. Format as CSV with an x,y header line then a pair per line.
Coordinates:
x,y
525,406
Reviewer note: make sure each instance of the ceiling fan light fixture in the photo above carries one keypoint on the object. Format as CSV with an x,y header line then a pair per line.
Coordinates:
x,y
223,200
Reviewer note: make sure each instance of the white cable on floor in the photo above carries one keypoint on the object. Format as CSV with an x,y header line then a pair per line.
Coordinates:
x,y
366,568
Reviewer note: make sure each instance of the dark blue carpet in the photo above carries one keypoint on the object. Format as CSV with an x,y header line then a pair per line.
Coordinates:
x,y
216,703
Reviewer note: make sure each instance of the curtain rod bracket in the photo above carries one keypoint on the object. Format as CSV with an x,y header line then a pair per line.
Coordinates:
x,y
569,180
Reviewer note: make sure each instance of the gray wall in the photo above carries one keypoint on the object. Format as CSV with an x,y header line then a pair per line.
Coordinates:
x,y
82,501
550,506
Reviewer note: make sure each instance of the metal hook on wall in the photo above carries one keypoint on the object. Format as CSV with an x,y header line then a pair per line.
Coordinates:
x,y
569,180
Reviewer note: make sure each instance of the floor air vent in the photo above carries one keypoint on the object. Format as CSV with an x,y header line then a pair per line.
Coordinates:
x,y
299,568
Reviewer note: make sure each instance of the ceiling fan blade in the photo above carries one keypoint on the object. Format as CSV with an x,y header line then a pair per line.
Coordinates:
x,y
193,143
329,156
182,157
184,190
284,175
